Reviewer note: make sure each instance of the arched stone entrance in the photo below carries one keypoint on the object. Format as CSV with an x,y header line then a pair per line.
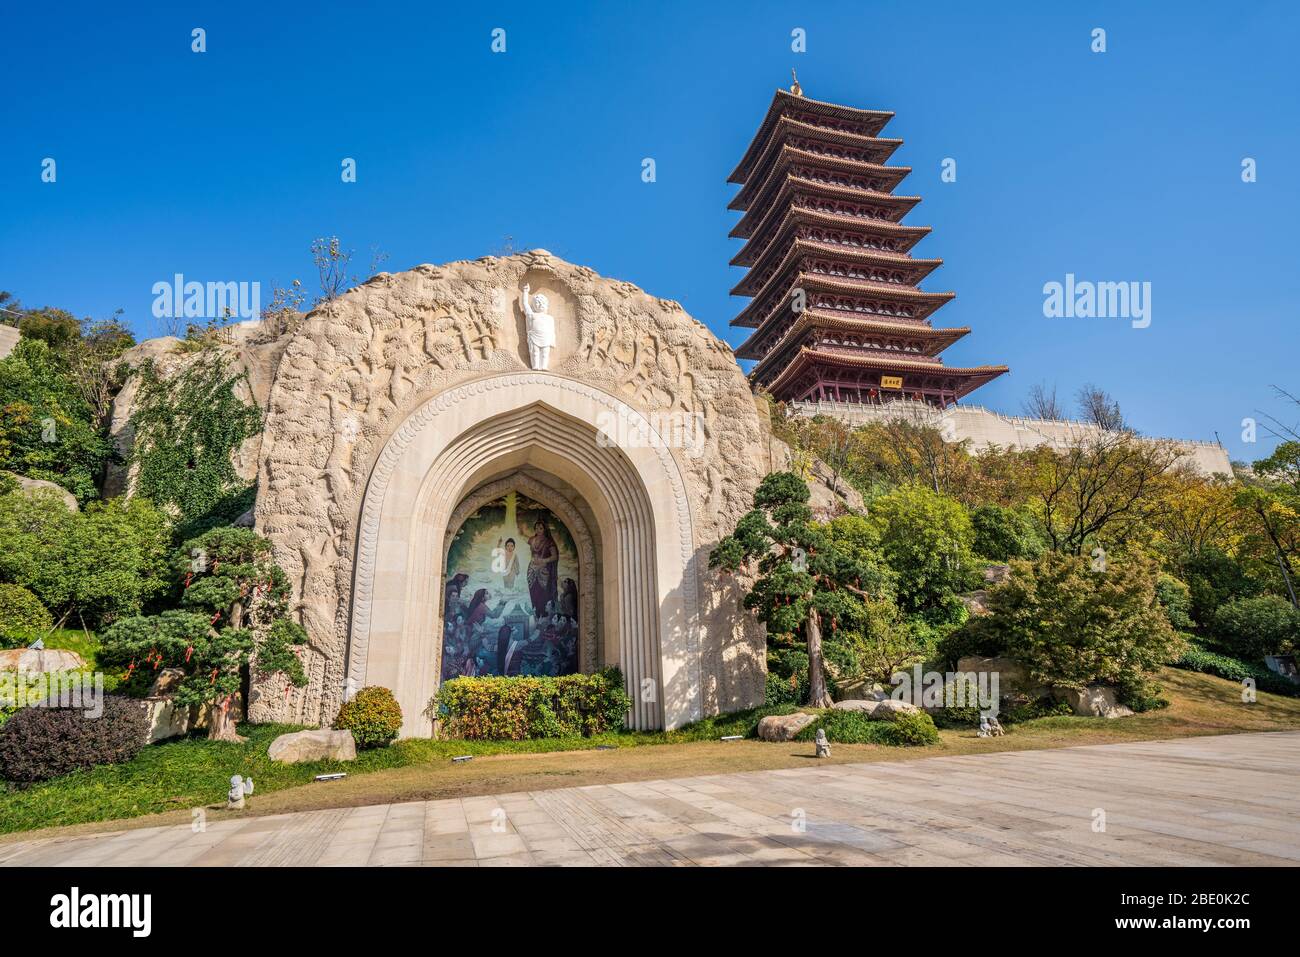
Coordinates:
x,y
409,395
445,449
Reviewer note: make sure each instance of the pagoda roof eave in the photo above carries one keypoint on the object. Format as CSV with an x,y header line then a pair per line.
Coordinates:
x,y
816,281
750,224
798,247
973,377
836,284
783,99
937,339
793,216
787,153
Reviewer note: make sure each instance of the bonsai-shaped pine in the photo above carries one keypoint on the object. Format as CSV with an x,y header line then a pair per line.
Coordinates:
x,y
803,578
239,621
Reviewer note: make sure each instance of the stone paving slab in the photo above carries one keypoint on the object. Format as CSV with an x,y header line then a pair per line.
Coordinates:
x,y
1229,800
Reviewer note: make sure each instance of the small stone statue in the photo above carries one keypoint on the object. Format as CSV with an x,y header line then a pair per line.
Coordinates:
x,y
990,727
541,329
823,745
238,789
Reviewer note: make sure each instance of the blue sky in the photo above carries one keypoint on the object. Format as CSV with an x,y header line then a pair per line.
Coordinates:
x,y
1118,166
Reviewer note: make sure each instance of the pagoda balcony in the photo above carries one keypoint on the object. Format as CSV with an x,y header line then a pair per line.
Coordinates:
x,y
875,211
812,112
831,170
895,336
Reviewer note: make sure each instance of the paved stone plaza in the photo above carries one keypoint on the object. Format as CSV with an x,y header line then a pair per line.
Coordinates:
x,y
1232,800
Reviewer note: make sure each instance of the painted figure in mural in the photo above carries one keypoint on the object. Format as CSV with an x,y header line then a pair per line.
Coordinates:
x,y
543,584
511,593
541,329
507,652
510,559
569,599
454,586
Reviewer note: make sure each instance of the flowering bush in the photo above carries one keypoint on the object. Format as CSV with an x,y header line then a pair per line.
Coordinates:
x,y
516,709
373,716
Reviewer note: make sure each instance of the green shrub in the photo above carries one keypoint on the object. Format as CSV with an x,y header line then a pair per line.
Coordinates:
x,y
23,618
1214,579
1028,709
1175,600
373,716
926,539
1234,669
1072,626
960,709
779,691
1002,534
1251,628
856,727
39,743
515,709
913,729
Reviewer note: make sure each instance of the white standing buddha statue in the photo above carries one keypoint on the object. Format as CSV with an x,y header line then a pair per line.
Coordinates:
x,y
541,329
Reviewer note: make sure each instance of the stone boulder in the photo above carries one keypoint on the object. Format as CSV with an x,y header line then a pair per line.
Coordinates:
x,y
165,718
30,486
783,727
321,745
867,705
891,709
35,660
1094,701
1013,677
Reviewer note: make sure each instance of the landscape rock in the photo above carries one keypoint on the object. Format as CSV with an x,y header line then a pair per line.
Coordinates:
x,y
165,718
1013,677
867,705
891,709
783,727
321,745
29,486
36,660
1094,701
166,683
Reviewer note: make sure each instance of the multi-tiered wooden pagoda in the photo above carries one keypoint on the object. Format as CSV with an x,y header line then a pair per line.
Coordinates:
x,y
836,307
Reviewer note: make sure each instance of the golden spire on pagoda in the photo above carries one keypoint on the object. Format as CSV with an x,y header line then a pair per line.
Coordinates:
x,y
795,88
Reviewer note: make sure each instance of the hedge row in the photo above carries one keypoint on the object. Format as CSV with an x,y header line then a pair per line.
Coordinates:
x,y
1234,669
516,709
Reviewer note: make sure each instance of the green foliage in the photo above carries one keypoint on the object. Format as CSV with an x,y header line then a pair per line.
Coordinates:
x,y
1175,600
1196,658
1251,628
234,616
372,715
186,429
1072,626
101,563
39,743
913,729
856,727
514,709
47,428
1215,578
960,704
805,578
1002,534
23,618
1030,710
927,540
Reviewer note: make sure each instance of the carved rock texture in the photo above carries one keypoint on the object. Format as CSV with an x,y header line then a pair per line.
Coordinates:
x,y
358,367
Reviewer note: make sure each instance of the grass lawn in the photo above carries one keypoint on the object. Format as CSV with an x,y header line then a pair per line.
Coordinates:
x,y
166,781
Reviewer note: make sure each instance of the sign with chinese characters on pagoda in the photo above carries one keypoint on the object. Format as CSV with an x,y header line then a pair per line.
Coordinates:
x,y
836,307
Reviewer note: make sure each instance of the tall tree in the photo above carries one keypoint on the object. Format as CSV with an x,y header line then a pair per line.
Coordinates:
x,y
1096,406
803,579
1042,403
1098,489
